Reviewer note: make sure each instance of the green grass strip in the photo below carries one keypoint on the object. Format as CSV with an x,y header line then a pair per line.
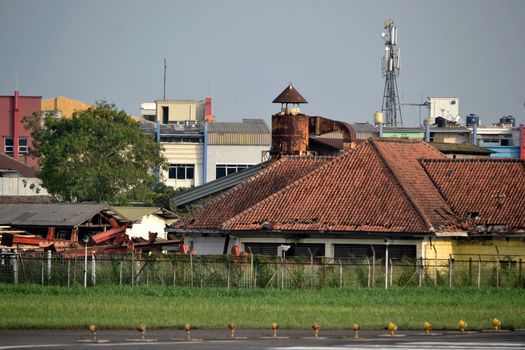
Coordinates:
x,y
31,306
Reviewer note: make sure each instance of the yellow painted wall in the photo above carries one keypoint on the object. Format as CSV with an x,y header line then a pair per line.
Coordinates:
x,y
444,247
466,248
65,105
513,247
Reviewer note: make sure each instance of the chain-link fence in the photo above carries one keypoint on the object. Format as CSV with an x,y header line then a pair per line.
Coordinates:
x,y
258,271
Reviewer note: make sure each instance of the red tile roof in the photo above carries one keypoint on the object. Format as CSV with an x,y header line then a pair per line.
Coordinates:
x,y
379,187
482,191
268,181
383,186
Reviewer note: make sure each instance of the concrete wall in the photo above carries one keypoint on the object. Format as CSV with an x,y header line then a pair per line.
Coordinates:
x,y
181,110
233,154
148,223
20,186
184,153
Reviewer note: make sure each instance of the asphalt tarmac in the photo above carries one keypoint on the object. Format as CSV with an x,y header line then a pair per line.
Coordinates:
x,y
261,339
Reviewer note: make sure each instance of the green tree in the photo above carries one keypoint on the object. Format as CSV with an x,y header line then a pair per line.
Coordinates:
x,y
99,155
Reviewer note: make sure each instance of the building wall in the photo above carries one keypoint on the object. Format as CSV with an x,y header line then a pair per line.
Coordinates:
x,y
66,106
504,151
404,134
330,242
446,107
473,247
233,154
148,223
209,245
450,137
184,153
181,110
26,107
21,186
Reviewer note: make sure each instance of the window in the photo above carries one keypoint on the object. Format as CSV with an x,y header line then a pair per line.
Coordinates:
x,y
222,170
22,146
182,171
173,139
9,147
165,114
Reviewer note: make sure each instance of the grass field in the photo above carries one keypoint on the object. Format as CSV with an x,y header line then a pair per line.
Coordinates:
x,y
30,306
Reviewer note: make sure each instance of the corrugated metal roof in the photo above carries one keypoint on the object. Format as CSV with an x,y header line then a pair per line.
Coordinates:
x,y
213,187
247,126
137,213
48,214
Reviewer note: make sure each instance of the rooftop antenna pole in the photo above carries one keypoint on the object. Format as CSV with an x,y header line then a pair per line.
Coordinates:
x,y
391,107
165,67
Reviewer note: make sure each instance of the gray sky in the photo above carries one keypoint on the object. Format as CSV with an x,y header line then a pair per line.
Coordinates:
x,y
248,51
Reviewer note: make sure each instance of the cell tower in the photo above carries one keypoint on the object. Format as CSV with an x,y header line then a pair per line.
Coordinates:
x,y
391,107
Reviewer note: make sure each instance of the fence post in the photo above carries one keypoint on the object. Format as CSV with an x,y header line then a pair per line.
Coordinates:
x,y
202,271
435,266
49,266
93,269
420,283
68,272
132,268
479,271
15,267
311,269
520,281
369,271
386,265
282,273
43,268
255,276
450,272
373,267
121,270
469,272
228,273
391,272
174,269
340,274
191,268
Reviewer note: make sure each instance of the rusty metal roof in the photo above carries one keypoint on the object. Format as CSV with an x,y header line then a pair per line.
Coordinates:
x,y
290,95
23,169
50,214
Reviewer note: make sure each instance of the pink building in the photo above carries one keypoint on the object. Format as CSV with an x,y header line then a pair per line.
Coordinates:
x,y
15,141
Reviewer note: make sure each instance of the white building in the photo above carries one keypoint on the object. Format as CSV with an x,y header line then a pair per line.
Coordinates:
x,y
197,148
445,107
234,146
147,219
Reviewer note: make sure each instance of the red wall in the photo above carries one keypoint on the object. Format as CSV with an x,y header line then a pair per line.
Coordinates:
x,y
27,105
522,142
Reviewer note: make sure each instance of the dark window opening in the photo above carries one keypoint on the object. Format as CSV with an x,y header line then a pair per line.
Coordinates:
x,y
165,114
359,252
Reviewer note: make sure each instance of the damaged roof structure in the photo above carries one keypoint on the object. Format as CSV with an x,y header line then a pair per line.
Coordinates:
x,y
64,226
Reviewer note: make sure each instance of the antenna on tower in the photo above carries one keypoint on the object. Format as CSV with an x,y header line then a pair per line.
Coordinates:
x,y
165,67
391,65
